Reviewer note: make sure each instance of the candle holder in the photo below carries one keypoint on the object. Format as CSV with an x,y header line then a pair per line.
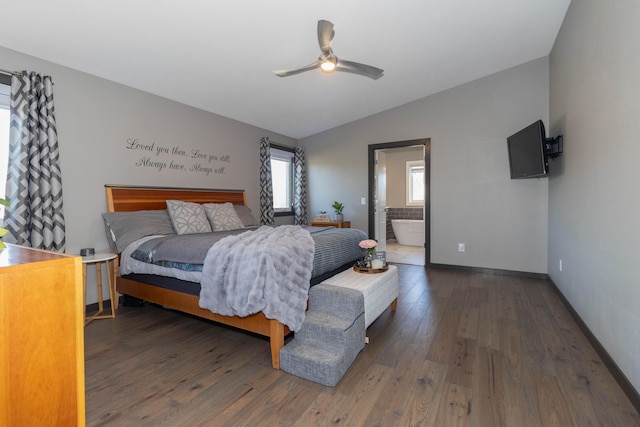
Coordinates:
x,y
379,260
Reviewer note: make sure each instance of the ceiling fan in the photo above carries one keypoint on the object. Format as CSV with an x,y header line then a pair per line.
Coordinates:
x,y
329,62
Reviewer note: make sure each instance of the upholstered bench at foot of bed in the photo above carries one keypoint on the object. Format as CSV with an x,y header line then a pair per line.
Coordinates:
x,y
380,290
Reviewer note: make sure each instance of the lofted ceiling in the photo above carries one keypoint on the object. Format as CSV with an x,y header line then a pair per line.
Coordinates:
x,y
221,55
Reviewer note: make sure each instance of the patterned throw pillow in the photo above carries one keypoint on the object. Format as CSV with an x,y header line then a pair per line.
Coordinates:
x,y
187,217
223,216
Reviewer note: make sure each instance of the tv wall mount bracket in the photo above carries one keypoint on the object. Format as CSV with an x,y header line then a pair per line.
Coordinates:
x,y
553,147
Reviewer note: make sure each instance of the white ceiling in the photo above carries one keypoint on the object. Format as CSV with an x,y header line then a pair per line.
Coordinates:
x,y
219,55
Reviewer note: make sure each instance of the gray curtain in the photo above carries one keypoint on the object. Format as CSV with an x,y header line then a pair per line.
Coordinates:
x,y
266,185
34,183
300,187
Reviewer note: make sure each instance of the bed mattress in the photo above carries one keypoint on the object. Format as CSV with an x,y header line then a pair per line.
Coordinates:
x,y
182,256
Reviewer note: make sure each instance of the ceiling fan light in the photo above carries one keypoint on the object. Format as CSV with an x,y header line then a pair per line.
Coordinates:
x,y
328,66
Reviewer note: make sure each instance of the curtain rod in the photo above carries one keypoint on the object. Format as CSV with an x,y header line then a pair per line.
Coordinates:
x,y
9,73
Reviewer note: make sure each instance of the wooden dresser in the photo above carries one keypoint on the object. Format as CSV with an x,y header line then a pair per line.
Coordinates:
x,y
41,338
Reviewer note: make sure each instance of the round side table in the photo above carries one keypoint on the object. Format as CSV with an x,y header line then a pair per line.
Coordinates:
x,y
110,261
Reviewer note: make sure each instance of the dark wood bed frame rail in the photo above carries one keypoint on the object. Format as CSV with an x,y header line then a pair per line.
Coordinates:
x,y
122,198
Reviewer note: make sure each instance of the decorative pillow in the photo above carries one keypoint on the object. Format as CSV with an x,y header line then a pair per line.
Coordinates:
x,y
124,228
223,216
246,216
187,217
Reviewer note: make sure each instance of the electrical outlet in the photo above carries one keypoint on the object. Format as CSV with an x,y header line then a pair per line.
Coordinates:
x,y
560,265
363,201
461,247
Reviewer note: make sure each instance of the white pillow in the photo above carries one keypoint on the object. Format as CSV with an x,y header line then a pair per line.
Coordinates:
x,y
223,216
187,217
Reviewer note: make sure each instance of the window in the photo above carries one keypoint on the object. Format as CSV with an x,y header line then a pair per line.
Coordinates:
x,y
415,182
282,179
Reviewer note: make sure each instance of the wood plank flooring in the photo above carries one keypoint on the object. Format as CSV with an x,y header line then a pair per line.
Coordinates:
x,y
463,349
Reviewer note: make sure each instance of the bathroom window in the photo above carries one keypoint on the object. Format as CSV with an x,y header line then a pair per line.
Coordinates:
x,y
415,183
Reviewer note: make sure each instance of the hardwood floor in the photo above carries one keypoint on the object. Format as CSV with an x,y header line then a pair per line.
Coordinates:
x,y
462,349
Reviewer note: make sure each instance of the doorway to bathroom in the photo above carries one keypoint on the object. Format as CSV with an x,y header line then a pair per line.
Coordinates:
x,y
397,172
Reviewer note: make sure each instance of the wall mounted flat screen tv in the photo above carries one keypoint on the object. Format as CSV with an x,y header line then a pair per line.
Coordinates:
x,y
527,152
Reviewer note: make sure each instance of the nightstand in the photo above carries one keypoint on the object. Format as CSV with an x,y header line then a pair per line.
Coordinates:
x,y
110,262
343,224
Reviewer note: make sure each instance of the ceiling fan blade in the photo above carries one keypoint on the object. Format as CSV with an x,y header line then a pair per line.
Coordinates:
x,y
357,68
327,58
325,35
286,73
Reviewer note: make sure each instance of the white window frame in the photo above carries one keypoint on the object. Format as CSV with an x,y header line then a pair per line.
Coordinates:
x,y
286,181
412,167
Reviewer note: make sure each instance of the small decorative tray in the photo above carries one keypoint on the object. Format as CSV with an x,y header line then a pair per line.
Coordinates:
x,y
366,270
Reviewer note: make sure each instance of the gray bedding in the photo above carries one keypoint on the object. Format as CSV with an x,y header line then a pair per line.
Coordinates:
x,y
334,247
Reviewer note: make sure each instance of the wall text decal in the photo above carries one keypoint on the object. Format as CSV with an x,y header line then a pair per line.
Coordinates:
x,y
177,158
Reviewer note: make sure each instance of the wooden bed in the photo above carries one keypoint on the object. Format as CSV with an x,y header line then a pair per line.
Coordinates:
x,y
135,198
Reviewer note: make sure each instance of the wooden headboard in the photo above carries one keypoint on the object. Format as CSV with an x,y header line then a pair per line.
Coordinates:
x,y
128,198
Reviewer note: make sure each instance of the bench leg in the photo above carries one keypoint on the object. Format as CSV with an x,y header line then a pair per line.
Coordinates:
x,y
394,304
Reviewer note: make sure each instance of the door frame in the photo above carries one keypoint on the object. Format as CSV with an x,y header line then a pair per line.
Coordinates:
x,y
426,142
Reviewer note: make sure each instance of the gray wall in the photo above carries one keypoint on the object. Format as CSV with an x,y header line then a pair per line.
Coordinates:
x,y
397,174
96,118
593,195
473,199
